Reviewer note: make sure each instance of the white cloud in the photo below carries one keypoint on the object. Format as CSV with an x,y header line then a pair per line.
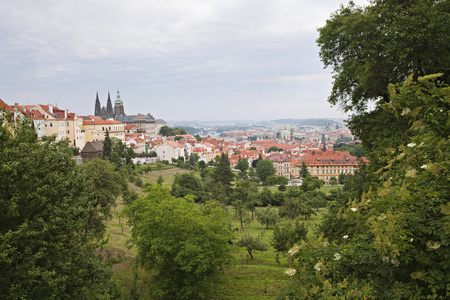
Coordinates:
x,y
226,50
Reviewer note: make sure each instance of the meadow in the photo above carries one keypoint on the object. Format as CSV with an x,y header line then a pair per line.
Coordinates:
x,y
260,278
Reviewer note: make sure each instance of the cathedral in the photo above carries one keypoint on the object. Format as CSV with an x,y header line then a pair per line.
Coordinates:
x,y
107,112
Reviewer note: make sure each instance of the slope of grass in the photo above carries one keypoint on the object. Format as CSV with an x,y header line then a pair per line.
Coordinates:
x,y
260,278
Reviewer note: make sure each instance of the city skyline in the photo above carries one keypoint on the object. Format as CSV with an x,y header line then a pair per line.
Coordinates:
x,y
224,60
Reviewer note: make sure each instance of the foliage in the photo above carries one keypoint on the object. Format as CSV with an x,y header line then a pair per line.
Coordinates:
x,y
384,42
264,168
223,174
50,234
304,170
311,183
171,131
287,235
185,246
395,238
107,147
274,149
267,216
187,184
251,243
242,165
354,149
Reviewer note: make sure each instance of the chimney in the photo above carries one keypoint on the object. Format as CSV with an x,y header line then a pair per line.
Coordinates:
x,y
50,107
65,114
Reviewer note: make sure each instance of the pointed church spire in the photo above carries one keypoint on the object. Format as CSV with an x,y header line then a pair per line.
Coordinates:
x,y
98,108
109,109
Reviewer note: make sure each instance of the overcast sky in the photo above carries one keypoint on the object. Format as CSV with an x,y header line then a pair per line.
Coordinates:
x,y
178,60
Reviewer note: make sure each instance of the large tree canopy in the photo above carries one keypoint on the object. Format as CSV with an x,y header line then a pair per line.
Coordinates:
x,y
370,47
186,246
51,214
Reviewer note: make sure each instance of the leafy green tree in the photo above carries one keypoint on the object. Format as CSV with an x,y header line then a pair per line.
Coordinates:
x,y
242,165
384,42
107,146
271,180
287,235
311,183
171,131
265,197
223,174
274,149
394,243
184,246
49,237
251,243
267,216
160,180
264,168
333,181
202,164
187,184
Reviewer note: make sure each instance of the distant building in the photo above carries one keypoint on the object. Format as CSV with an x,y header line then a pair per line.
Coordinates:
x,y
108,112
325,165
92,150
142,123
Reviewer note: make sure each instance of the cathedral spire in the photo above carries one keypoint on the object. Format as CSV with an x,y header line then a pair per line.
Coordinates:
x,y
109,109
98,108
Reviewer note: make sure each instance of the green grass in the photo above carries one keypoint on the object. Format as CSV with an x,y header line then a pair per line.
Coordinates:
x,y
260,278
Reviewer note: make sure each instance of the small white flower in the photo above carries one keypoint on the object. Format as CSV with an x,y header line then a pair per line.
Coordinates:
x,y
410,145
385,259
337,256
293,250
317,266
424,167
290,272
433,245
382,217
353,209
411,240
395,262
345,237
405,111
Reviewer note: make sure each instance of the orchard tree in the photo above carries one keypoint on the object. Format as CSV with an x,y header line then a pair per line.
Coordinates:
x,y
251,243
287,235
267,216
183,246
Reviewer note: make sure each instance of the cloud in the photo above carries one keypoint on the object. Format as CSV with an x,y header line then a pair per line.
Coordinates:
x,y
172,51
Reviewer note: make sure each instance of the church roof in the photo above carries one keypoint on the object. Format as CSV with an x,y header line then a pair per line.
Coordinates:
x,y
139,118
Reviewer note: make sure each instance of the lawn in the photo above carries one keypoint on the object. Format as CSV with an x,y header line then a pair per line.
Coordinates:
x,y
260,278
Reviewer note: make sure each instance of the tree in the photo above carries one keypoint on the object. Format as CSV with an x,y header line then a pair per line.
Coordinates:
x,y
223,173
333,181
274,149
267,216
304,170
160,180
391,241
287,235
187,184
383,43
264,168
242,165
185,247
311,183
251,244
49,244
107,146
